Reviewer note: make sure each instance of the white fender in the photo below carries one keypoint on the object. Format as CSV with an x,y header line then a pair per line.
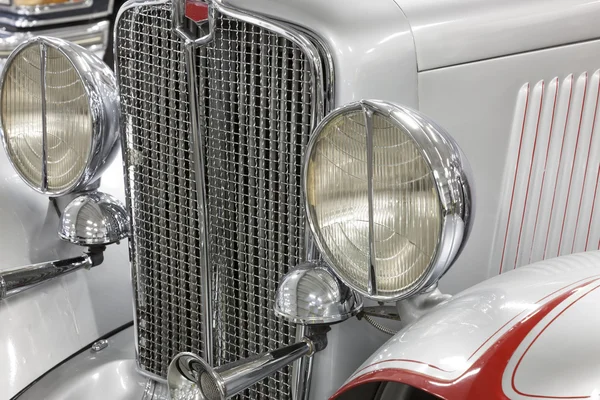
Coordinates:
x,y
532,333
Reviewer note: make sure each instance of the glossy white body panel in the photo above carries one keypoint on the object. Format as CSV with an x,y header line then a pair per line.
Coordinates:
x,y
482,106
107,374
450,32
448,344
572,331
43,326
551,174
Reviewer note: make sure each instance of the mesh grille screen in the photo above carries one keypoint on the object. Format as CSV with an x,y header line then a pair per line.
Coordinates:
x,y
255,118
161,187
256,87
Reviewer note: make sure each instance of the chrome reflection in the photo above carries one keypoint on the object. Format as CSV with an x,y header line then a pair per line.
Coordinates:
x,y
191,378
94,219
311,294
68,113
388,198
20,279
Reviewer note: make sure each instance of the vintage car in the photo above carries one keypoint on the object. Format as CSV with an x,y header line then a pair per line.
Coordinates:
x,y
282,186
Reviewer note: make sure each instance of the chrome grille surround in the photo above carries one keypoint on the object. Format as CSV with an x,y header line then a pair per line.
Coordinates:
x,y
259,94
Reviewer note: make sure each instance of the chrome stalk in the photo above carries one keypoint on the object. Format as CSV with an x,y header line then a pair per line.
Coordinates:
x,y
191,378
93,220
24,278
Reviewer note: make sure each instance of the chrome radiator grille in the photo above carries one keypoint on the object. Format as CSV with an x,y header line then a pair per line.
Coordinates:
x,y
255,104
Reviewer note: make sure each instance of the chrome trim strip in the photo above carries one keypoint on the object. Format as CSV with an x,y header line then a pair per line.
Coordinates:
x,y
66,15
2,288
372,277
199,161
302,369
43,61
93,37
42,9
328,68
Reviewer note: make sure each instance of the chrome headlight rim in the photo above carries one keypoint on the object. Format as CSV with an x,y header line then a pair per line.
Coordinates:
x,y
100,86
451,174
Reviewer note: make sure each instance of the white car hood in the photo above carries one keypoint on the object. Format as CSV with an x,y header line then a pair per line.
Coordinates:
x,y
450,32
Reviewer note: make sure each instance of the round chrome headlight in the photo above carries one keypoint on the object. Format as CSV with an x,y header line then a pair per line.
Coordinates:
x,y
58,114
387,198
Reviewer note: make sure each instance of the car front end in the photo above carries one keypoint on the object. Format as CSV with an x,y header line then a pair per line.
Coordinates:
x,y
287,203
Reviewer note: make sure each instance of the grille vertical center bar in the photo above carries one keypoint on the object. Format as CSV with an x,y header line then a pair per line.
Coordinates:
x,y
256,108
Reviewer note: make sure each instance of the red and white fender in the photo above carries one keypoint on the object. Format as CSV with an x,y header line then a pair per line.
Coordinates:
x,y
532,333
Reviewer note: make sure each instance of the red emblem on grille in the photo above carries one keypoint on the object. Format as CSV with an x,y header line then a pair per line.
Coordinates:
x,y
196,10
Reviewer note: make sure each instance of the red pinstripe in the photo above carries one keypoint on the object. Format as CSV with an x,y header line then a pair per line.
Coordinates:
x,y
559,161
512,197
537,128
400,360
587,161
589,280
537,213
512,379
562,229
483,380
592,215
537,302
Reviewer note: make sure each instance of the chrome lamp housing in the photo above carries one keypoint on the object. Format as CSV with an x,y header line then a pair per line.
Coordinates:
x,y
59,115
388,198
310,294
94,219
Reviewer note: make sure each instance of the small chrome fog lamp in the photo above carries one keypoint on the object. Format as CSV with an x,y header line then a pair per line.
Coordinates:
x,y
311,294
94,219
58,114
388,198
308,295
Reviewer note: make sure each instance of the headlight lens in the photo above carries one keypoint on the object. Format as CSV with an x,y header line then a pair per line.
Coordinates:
x,y
377,204
58,115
